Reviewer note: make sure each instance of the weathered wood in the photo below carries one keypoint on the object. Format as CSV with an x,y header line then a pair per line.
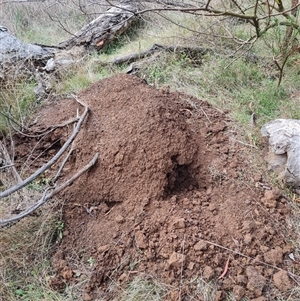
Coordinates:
x,y
284,140
18,58
12,49
192,52
101,31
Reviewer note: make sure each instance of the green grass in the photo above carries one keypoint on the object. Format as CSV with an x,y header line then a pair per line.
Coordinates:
x,y
17,101
82,75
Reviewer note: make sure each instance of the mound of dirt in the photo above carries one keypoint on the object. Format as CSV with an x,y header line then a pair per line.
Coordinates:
x,y
172,196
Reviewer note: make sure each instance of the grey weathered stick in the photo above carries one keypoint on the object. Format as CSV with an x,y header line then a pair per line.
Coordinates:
x,y
63,165
52,161
10,163
46,196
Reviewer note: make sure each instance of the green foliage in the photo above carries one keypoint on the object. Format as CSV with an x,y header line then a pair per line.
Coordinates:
x,y
80,77
60,228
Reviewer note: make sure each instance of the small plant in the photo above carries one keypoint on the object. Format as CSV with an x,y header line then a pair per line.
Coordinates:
x,y
60,227
91,261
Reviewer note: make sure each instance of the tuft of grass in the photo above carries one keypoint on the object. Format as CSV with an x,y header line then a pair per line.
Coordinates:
x,y
16,100
81,75
140,289
25,252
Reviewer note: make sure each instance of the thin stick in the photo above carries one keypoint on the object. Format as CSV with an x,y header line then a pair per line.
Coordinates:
x,y
10,163
62,165
6,166
181,270
246,144
246,256
46,196
52,161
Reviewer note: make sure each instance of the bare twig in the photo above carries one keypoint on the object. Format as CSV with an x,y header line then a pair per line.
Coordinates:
x,y
63,165
6,166
52,161
181,269
46,196
246,256
9,162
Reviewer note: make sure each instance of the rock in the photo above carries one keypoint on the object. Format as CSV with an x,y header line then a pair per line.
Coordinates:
x,y
140,240
123,277
178,223
208,272
269,199
201,245
219,296
274,256
284,139
176,259
247,239
282,281
120,219
191,265
241,279
256,281
66,273
239,292
103,248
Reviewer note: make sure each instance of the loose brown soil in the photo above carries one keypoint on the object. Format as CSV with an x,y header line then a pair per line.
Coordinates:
x,y
172,196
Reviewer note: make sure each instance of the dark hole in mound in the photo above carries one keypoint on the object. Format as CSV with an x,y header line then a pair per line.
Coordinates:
x,y
110,204
180,178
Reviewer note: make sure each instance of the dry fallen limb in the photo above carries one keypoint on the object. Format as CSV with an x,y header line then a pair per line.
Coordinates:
x,y
102,30
44,133
52,161
46,196
193,51
62,165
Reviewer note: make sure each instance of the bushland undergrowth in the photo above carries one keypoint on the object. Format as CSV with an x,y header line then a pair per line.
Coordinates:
x,y
243,82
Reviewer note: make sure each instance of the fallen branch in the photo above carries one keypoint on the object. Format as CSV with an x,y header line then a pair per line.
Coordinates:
x,y
104,29
155,48
62,165
46,196
53,160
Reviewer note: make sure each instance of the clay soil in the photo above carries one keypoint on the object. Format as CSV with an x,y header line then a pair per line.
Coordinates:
x,y
173,197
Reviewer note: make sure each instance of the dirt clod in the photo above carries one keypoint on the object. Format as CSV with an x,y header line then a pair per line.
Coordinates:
x,y
256,281
282,281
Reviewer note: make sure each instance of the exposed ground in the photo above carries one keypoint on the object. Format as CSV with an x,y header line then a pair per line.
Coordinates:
x,y
173,196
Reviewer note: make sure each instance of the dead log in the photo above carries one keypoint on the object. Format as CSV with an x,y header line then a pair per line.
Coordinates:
x,y
192,52
13,50
104,29
284,149
16,57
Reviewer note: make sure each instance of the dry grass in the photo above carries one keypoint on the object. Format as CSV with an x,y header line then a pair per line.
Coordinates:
x,y
25,251
48,22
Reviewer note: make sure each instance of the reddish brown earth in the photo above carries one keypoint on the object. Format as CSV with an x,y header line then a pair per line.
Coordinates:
x,y
172,196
